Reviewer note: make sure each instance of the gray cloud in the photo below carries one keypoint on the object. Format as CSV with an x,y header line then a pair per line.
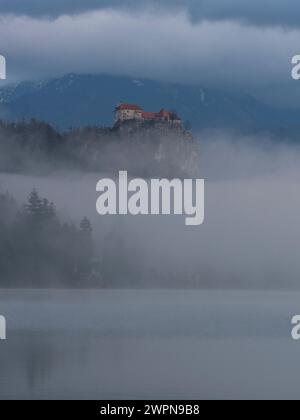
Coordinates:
x,y
171,48
219,53
269,12
51,8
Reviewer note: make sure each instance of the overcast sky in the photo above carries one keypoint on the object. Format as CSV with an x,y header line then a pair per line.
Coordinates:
x,y
258,12
241,44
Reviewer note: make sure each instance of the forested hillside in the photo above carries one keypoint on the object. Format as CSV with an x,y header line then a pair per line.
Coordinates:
x,y
147,149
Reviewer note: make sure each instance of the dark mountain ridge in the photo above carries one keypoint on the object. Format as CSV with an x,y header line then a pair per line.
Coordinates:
x,y
82,100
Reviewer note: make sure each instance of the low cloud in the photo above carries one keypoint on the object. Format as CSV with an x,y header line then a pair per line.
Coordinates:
x,y
171,48
273,13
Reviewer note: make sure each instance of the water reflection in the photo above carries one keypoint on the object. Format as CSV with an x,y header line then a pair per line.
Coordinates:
x,y
115,345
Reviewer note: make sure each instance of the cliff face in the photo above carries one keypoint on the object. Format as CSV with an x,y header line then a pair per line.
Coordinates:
x,y
145,149
160,127
148,149
162,148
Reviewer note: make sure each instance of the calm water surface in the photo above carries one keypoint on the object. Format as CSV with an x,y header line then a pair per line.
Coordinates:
x,y
149,345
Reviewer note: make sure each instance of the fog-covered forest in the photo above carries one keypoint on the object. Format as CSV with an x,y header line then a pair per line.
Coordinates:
x,y
250,185
38,250
41,247
146,150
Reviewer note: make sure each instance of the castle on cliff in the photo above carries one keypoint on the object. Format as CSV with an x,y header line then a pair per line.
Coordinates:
x,y
127,112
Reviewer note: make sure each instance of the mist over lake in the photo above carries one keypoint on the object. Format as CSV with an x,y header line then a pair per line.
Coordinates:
x,y
158,344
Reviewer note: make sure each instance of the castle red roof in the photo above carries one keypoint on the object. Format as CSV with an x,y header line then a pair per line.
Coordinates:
x,y
131,107
158,116
149,115
164,113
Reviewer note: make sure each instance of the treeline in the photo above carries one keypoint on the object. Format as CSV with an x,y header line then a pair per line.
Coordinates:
x,y
38,250
143,149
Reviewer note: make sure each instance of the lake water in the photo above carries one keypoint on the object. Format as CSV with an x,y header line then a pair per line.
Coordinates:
x,y
149,345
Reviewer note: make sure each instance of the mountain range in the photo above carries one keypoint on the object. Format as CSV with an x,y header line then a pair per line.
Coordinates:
x,y
84,100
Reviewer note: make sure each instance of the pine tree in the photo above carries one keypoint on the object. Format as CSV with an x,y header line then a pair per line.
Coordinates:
x,y
85,247
86,227
34,207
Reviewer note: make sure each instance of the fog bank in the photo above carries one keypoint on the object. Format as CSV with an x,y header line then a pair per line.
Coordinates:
x,y
250,237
